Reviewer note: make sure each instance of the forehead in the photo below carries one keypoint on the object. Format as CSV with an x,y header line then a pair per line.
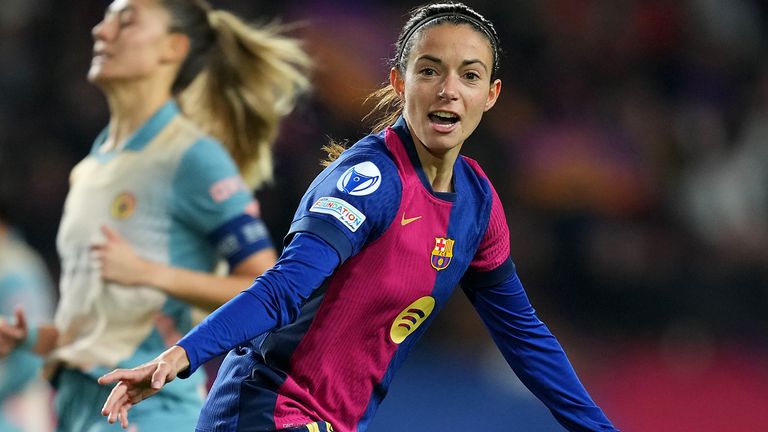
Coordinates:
x,y
462,39
120,5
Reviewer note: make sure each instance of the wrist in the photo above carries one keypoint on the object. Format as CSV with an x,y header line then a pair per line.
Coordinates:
x,y
29,342
177,356
151,274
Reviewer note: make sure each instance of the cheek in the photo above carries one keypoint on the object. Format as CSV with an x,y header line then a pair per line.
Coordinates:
x,y
142,57
478,102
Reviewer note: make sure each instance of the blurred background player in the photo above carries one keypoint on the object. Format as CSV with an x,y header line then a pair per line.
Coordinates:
x,y
195,99
24,282
378,244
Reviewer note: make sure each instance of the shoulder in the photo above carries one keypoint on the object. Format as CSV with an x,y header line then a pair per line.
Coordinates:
x,y
362,168
475,167
475,180
368,157
204,152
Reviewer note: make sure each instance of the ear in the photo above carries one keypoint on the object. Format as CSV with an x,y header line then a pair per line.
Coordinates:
x,y
493,95
176,47
397,82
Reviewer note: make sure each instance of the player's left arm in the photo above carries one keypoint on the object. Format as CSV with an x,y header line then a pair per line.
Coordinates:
x,y
494,289
535,354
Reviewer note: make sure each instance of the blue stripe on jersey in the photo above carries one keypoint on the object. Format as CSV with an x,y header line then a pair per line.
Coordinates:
x,y
227,407
273,300
410,148
379,207
240,237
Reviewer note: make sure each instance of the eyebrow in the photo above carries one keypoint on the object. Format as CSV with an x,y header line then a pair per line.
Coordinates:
x,y
126,8
464,63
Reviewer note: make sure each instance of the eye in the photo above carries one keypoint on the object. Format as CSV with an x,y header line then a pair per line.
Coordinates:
x,y
125,17
427,71
472,76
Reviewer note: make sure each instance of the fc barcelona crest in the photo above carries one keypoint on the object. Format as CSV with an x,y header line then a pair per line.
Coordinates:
x,y
442,253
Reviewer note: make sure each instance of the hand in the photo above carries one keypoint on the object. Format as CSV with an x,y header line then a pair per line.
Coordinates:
x,y
119,262
135,385
11,335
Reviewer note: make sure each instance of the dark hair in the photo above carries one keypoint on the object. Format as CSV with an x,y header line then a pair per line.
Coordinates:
x,y
388,105
238,81
430,15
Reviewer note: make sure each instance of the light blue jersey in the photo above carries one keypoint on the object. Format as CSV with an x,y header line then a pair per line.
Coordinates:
x,y
178,198
24,282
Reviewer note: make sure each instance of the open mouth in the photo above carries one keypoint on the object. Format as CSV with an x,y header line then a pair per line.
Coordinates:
x,y
443,118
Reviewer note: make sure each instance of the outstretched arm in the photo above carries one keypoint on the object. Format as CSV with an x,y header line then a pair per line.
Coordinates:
x,y
272,301
135,385
535,355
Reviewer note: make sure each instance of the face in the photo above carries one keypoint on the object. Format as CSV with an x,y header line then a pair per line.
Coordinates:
x,y
447,86
131,42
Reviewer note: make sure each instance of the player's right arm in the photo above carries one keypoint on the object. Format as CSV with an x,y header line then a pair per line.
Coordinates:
x,y
272,300
139,383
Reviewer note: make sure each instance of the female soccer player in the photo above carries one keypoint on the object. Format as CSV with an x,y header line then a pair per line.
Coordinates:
x,y
380,240
159,201
24,280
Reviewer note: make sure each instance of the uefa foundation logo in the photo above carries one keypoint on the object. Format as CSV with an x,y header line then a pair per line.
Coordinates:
x,y
362,179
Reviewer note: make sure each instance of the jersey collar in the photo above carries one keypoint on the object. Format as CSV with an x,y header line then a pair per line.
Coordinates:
x,y
144,135
401,128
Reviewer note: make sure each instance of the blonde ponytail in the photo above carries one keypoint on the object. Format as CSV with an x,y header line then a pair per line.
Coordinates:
x,y
252,80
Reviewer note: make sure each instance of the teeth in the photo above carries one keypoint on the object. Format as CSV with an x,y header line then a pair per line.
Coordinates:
x,y
443,114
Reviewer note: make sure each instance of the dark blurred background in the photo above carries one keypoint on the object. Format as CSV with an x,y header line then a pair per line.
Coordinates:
x,y
628,147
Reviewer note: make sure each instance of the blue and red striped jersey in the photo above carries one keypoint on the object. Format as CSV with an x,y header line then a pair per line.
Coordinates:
x,y
374,253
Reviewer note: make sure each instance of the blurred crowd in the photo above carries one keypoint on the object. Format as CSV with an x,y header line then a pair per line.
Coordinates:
x,y
628,147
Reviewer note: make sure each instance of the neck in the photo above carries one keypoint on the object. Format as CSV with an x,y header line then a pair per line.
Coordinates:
x,y
130,106
437,167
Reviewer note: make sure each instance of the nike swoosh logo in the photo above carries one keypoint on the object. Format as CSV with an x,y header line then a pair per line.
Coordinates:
x,y
405,221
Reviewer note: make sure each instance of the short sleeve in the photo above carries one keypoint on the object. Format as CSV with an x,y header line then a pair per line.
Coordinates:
x,y
352,202
211,197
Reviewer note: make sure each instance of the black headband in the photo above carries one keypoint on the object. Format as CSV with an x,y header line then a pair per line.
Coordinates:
x,y
458,14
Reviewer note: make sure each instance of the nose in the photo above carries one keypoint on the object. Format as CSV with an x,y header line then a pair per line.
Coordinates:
x,y
104,30
448,89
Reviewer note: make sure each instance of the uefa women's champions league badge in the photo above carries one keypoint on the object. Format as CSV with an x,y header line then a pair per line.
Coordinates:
x,y
362,179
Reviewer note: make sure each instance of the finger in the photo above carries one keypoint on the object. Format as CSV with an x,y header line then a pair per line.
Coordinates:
x,y
111,377
113,417
160,376
113,402
128,375
11,332
115,398
21,319
124,417
97,251
110,234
